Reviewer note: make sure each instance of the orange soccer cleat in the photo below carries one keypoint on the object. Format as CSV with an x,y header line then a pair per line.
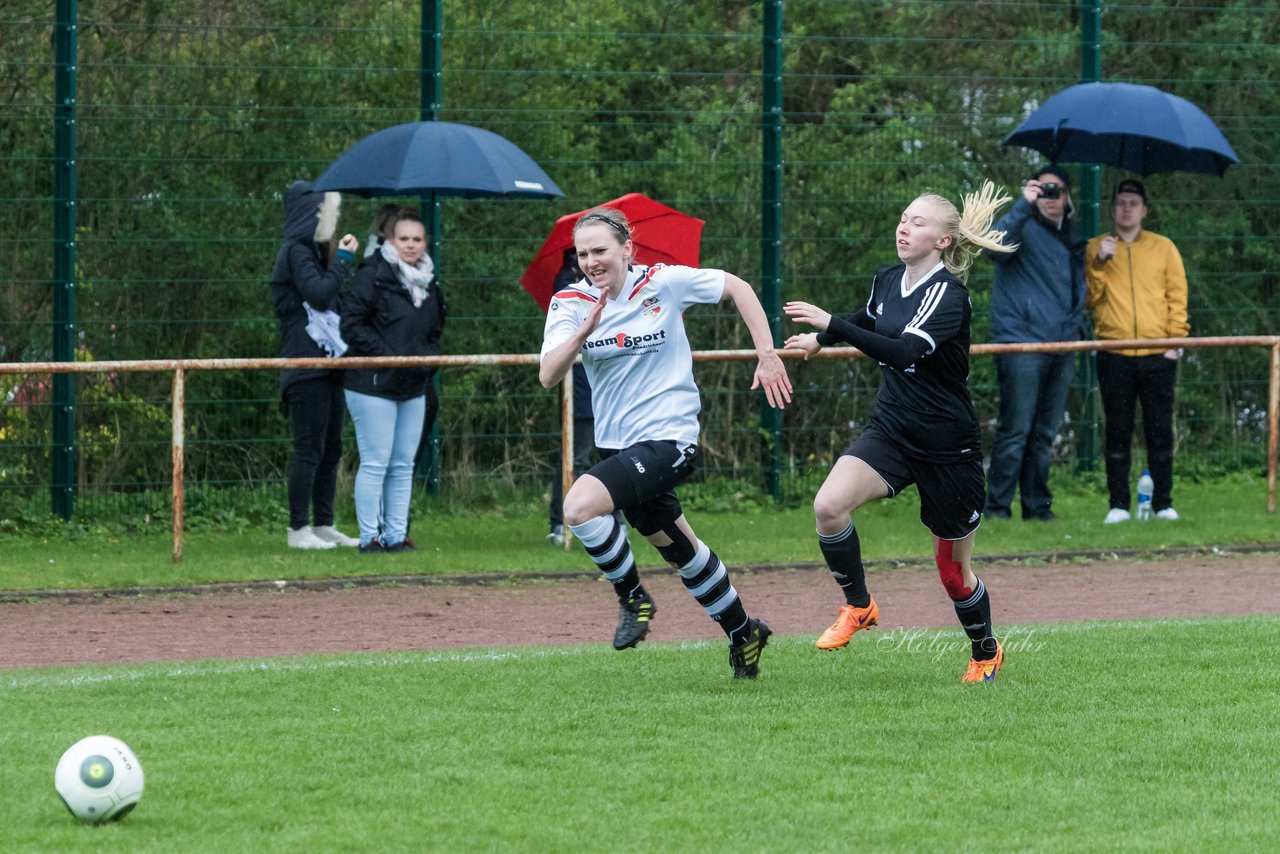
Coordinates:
x,y
985,671
850,619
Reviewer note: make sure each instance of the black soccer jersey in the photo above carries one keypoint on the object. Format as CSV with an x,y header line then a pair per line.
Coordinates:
x,y
924,404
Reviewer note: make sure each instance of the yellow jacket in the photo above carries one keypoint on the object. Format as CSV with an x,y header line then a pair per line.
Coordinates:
x,y
1140,292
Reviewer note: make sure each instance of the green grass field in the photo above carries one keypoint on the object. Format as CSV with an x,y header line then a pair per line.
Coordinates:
x,y
1228,511
1153,734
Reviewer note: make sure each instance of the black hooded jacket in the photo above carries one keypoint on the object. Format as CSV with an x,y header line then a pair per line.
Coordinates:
x,y
379,319
300,276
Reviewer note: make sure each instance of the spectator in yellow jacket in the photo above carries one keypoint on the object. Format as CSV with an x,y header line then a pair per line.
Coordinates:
x,y
1137,289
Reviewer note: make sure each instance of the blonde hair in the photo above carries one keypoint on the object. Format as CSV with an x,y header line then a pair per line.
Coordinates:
x,y
970,231
615,219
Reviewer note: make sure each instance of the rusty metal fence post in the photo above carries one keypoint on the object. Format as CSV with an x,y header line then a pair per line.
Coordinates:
x,y
178,453
1273,426
566,449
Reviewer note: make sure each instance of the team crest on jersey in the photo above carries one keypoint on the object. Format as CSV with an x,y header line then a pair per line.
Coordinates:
x,y
880,308
651,307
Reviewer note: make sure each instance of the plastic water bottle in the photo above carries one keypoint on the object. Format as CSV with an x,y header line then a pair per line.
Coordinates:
x,y
1146,486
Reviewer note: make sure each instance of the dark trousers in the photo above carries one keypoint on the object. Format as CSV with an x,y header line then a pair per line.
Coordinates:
x,y
316,412
1033,399
1124,381
584,443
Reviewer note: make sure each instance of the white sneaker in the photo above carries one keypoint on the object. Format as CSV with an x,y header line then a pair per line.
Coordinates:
x,y
556,536
1116,514
330,534
304,538
1168,513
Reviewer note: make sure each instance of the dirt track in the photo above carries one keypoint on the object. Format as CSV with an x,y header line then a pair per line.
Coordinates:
x,y
263,622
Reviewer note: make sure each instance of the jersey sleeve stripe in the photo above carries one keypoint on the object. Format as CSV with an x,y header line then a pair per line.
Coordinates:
x,y
574,295
928,305
933,345
932,298
644,280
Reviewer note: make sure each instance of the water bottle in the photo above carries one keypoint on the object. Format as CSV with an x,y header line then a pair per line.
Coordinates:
x,y
1146,486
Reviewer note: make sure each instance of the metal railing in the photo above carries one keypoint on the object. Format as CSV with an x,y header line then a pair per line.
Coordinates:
x,y
180,367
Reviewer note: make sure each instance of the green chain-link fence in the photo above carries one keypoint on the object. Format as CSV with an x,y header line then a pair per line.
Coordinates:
x,y
190,118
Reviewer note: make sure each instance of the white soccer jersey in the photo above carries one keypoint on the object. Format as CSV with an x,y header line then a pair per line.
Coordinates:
x,y
638,358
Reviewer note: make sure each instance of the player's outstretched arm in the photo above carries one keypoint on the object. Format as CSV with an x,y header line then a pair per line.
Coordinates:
x,y
559,360
771,374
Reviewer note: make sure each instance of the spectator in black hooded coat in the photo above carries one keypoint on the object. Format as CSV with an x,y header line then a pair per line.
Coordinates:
x,y
304,288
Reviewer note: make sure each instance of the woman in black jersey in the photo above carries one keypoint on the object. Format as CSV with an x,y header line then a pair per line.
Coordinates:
x,y
924,429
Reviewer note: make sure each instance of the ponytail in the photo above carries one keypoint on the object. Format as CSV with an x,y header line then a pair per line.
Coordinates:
x,y
971,231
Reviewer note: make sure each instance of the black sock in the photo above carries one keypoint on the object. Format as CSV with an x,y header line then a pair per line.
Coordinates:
x,y
735,623
975,616
629,586
843,553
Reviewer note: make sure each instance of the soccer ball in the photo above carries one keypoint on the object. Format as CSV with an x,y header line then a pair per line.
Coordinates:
x,y
99,779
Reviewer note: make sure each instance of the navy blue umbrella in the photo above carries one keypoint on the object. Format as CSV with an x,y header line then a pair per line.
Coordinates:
x,y
1138,128
441,157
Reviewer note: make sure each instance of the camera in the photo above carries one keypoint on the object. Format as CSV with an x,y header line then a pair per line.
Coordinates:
x,y
1050,190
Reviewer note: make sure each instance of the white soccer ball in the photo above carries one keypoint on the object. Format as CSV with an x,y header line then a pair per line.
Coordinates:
x,y
99,779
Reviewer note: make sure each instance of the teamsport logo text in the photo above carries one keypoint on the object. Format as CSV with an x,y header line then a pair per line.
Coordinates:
x,y
623,341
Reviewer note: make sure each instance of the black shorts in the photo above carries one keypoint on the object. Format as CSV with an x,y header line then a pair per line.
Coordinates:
x,y
951,495
642,479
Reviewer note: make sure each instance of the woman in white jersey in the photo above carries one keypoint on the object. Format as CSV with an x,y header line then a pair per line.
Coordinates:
x,y
923,429
626,321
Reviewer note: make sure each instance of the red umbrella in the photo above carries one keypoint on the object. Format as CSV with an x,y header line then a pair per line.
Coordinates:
x,y
660,234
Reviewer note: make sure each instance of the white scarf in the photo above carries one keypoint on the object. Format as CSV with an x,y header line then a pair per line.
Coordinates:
x,y
416,278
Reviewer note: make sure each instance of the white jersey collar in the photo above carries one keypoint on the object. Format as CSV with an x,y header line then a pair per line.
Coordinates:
x,y
906,292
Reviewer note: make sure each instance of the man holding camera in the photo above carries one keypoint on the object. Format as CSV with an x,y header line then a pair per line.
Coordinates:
x,y
1137,289
1038,296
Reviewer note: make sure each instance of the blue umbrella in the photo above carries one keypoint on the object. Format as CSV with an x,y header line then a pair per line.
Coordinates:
x,y
441,157
1138,128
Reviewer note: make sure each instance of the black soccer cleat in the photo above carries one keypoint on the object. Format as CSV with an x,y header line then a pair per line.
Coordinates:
x,y
744,657
633,620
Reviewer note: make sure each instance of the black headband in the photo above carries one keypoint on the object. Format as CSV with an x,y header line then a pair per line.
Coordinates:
x,y
623,231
